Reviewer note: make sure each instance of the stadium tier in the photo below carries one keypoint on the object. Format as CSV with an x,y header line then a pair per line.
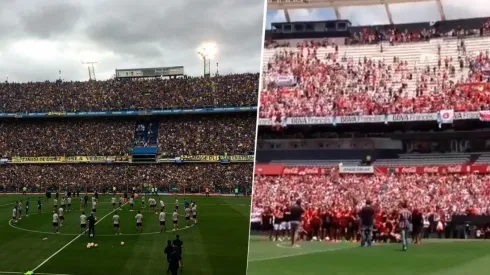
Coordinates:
x,y
447,194
188,178
188,92
213,134
393,71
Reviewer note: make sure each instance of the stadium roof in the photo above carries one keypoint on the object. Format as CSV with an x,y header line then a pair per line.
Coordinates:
x,y
336,4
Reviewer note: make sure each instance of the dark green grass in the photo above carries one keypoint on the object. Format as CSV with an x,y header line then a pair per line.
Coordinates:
x,y
433,257
217,245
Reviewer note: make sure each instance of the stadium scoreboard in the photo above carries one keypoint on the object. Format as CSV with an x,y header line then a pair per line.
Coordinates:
x,y
150,72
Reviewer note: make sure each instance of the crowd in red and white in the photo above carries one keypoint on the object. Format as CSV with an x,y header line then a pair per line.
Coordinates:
x,y
447,194
337,85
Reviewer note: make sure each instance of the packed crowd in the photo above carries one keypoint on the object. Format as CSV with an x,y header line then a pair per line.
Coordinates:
x,y
332,201
208,135
452,194
340,85
186,135
166,177
227,90
89,137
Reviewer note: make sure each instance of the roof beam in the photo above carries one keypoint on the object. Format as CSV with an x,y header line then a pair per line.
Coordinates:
x,y
388,12
441,10
311,4
286,14
337,13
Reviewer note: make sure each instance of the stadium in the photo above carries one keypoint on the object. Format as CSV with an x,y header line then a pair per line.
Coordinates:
x,y
150,133
392,114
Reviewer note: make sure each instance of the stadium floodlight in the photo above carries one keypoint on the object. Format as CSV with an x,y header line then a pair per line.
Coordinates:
x,y
91,69
207,51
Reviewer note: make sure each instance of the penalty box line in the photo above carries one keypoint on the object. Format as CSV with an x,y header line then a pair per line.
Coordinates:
x,y
70,242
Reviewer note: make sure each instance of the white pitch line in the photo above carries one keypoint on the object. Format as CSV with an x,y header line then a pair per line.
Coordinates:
x,y
7,204
70,242
98,235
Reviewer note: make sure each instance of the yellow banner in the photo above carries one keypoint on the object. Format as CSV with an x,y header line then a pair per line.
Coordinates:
x,y
200,158
37,159
71,159
56,114
90,158
242,158
215,158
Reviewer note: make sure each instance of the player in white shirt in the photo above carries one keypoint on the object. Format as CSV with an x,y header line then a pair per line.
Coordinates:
x,y
63,202
55,204
19,210
187,211
116,223
121,200
94,206
14,215
161,218
113,200
175,219
83,222
153,205
82,203
139,222
176,204
61,214
131,204
194,212
68,201
162,204
55,222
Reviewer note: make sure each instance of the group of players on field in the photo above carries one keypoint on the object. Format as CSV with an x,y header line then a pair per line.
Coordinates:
x,y
324,224
58,218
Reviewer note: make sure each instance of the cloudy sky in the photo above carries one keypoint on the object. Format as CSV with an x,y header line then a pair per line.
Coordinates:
x,y
39,38
402,13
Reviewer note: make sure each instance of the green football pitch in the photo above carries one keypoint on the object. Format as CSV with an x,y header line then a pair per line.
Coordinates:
x,y
433,257
216,245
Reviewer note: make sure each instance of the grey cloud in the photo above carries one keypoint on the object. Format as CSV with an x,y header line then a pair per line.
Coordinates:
x,y
141,33
51,19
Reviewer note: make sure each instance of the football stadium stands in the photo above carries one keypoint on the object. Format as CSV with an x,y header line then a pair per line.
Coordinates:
x,y
389,113
73,136
390,74
188,92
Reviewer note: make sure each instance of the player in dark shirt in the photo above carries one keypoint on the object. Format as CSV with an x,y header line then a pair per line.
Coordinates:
x,y
278,218
296,219
326,224
168,251
286,222
366,216
266,223
175,262
91,226
418,225
178,245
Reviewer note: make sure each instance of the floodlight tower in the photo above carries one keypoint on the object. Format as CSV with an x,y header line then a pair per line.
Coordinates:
x,y
91,69
207,51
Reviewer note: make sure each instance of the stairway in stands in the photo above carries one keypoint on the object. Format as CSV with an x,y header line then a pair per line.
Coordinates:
x,y
145,142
